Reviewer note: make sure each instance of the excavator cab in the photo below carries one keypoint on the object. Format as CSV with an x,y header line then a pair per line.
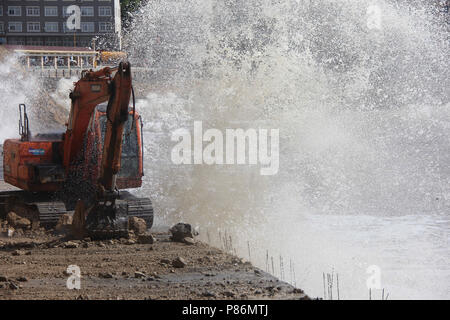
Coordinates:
x,y
131,168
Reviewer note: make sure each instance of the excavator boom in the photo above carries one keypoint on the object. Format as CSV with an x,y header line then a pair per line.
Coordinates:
x,y
102,217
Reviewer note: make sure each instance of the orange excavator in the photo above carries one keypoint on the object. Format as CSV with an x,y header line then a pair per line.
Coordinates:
x,y
86,168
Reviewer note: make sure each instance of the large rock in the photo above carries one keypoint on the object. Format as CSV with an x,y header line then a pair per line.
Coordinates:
x,y
137,225
189,241
178,262
64,223
17,221
180,231
145,239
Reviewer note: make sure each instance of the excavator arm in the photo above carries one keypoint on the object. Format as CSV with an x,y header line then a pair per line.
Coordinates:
x,y
116,115
101,219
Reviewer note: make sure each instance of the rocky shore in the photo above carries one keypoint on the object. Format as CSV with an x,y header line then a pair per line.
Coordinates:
x,y
39,264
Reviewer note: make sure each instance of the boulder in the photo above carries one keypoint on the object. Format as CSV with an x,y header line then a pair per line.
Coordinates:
x,y
145,239
17,221
181,231
189,241
179,262
137,225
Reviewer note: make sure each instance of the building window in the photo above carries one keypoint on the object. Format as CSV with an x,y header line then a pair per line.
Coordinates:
x,y
15,26
105,26
51,11
33,26
69,42
35,42
87,11
51,27
87,27
1,10
14,11
104,11
17,41
52,41
33,11
2,27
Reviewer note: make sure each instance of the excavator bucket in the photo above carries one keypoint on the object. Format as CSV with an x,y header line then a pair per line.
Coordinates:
x,y
109,219
105,220
102,220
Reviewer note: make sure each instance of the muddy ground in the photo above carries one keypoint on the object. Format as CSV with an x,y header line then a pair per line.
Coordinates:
x,y
34,266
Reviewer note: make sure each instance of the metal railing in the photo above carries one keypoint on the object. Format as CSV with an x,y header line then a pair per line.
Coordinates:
x,y
138,74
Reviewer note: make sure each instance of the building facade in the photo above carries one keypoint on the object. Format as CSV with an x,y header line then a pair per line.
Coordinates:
x,y
44,23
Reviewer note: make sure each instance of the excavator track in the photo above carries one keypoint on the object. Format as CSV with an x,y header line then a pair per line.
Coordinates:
x,y
47,211
137,207
41,210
